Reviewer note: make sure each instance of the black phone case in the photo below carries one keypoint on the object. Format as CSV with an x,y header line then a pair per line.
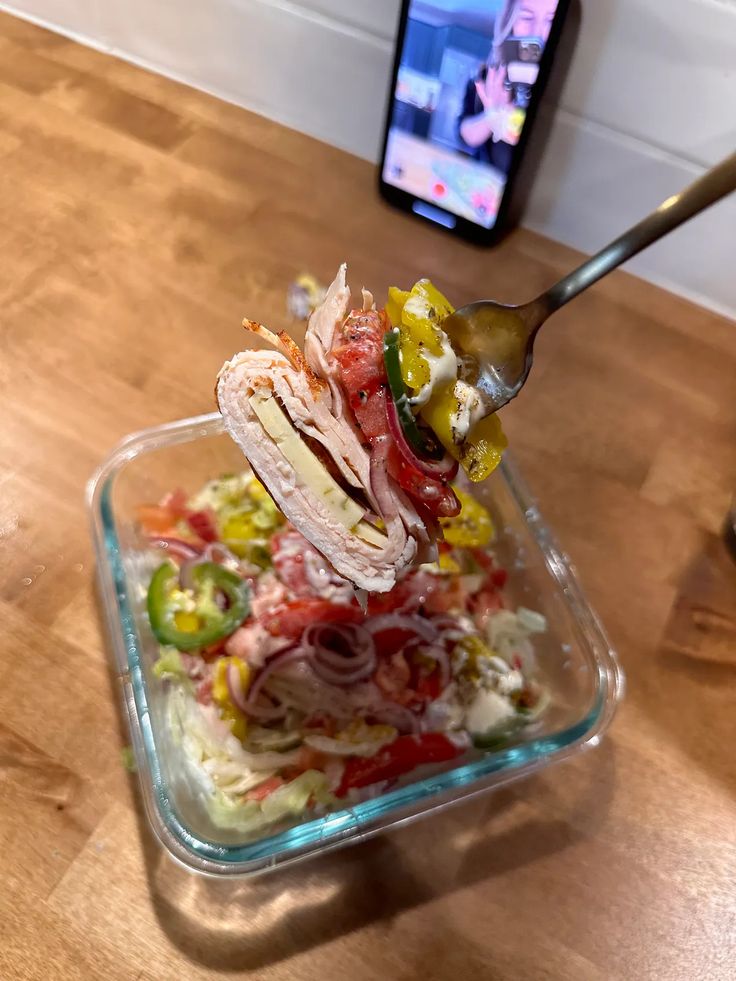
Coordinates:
x,y
510,206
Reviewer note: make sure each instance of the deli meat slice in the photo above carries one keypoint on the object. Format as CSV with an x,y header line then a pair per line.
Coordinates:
x,y
287,411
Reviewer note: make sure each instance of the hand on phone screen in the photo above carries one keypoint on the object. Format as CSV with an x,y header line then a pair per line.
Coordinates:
x,y
492,92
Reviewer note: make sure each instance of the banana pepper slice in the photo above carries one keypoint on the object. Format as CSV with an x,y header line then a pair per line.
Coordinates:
x,y
418,313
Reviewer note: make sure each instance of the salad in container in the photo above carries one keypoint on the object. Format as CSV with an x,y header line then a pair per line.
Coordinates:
x,y
350,625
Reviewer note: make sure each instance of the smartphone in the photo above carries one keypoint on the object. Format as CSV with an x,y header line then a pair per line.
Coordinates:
x,y
467,80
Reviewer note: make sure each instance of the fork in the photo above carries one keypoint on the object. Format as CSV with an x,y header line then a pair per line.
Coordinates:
x,y
495,341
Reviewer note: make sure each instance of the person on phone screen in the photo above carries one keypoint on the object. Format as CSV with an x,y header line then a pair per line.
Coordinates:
x,y
487,124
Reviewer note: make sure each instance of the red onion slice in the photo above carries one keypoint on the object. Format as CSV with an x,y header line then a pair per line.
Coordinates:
x,y
186,579
442,470
292,652
351,636
444,621
213,552
219,553
341,678
398,716
402,621
177,547
235,686
449,628
343,653
266,713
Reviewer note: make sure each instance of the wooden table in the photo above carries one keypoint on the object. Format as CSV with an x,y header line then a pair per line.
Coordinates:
x,y
140,221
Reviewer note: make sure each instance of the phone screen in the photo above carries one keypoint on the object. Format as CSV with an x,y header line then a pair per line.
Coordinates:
x,y
466,73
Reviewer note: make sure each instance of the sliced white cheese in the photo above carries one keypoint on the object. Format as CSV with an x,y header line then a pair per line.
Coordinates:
x,y
369,533
310,470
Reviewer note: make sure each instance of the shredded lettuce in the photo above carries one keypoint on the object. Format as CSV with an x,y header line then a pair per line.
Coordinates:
x,y
288,801
225,492
533,622
359,739
206,606
261,739
293,797
229,813
224,770
508,635
170,666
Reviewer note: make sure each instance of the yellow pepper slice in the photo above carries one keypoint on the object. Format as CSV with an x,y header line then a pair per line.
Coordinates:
x,y
188,622
483,448
446,563
418,313
396,300
472,528
475,651
238,529
221,695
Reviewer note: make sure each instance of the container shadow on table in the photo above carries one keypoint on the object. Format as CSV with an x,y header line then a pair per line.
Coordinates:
x,y
246,924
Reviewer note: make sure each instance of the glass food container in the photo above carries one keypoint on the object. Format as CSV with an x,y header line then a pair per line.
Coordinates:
x,y
575,660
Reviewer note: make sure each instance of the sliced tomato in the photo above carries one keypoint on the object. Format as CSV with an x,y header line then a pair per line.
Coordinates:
x,y
262,791
363,373
497,577
360,350
371,414
487,601
439,498
214,651
203,524
408,595
290,619
399,757
390,641
395,599
428,686
448,594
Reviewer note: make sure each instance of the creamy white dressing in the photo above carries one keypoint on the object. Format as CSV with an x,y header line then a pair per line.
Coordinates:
x,y
470,409
442,370
488,710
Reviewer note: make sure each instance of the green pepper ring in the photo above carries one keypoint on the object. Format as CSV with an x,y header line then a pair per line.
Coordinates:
x,y
215,628
419,442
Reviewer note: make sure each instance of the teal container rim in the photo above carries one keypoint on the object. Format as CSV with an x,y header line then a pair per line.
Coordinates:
x,y
364,819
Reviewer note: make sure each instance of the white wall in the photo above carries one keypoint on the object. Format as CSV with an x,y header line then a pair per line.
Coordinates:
x,y
649,103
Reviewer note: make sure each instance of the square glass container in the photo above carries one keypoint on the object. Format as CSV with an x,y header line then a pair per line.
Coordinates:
x,y
575,659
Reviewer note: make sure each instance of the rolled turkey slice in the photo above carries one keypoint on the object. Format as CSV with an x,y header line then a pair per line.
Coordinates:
x,y
287,412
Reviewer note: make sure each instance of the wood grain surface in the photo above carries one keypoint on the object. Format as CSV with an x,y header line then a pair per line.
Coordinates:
x,y
140,220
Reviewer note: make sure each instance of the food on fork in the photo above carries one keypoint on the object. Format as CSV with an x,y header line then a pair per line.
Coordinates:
x,y
359,436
